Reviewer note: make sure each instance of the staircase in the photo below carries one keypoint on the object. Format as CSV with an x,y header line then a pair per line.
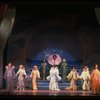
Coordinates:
x,y
44,85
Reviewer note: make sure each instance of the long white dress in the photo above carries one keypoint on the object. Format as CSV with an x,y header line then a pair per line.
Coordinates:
x,y
86,80
54,78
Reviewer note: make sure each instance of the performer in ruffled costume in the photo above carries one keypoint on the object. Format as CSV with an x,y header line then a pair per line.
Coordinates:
x,y
21,78
54,78
9,76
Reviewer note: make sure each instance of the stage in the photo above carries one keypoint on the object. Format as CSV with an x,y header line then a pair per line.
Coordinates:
x,y
47,93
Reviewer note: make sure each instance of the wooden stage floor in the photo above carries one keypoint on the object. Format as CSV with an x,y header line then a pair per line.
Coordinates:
x,y
47,93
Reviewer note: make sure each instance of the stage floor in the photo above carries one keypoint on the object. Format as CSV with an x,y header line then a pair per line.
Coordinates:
x,y
47,93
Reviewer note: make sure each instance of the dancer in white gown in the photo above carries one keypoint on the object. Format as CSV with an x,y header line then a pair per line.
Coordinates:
x,y
54,78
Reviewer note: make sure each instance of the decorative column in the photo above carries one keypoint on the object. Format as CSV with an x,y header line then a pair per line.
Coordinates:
x,y
6,25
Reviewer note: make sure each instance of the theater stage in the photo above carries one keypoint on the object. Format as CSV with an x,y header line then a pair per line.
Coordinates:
x,y
47,93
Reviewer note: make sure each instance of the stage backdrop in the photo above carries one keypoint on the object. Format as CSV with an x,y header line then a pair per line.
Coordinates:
x,y
65,30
